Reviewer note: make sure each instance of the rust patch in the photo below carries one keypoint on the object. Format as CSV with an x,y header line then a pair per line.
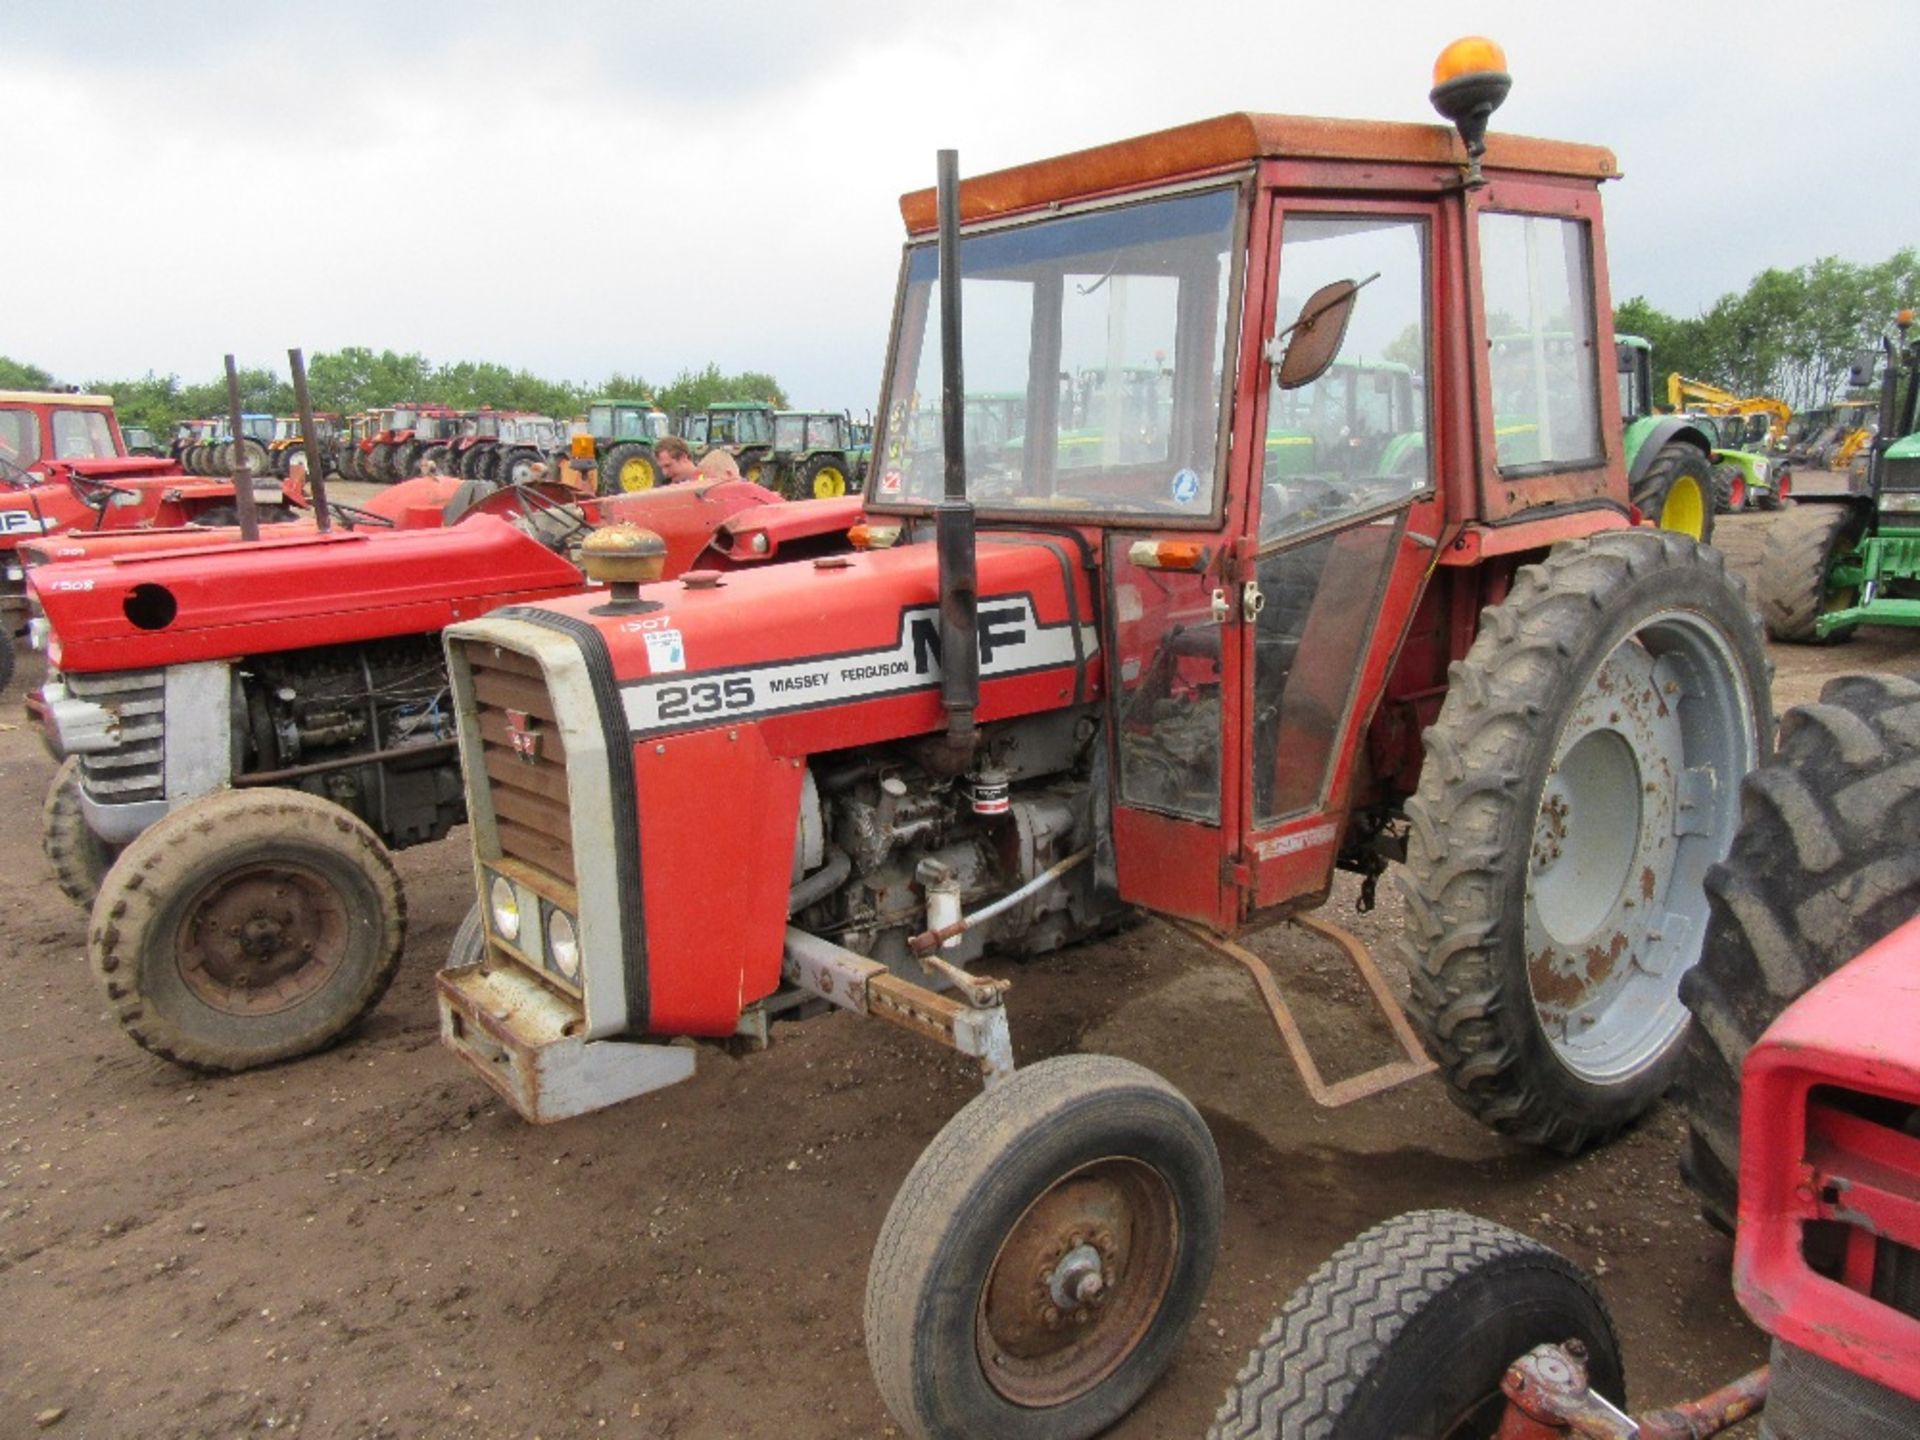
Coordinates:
x,y
1553,989
1649,882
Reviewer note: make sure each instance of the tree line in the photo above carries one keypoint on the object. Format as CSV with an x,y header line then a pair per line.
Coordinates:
x,y
1791,334
356,378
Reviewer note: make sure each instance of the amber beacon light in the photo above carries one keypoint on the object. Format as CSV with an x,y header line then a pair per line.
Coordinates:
x,y
1470,80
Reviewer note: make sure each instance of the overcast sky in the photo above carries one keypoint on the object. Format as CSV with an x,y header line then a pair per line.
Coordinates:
x,y
583,186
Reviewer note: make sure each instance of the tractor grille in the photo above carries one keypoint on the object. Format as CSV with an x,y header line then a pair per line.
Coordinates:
x,y
526,777
1901,474
135,769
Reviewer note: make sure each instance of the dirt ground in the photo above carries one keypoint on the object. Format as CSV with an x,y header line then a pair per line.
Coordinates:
x,y
367,1244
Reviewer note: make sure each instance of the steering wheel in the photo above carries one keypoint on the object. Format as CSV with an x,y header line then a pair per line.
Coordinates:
x,y
94,491
568,515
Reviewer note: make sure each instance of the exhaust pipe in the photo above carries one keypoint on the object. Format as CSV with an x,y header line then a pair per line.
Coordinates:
x,y
953,522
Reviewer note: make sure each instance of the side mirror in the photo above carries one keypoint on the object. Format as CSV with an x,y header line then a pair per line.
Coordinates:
x,y
1860,372
1302,352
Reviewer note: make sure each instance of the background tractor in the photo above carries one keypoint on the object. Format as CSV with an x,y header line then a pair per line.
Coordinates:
x,y
1669,458
813,455
742,428
1118,671
1841,560
1802,1090
287,441
226,706
622,433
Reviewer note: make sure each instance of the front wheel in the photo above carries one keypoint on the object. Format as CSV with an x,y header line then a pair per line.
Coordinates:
x,y
1405,1332
628,470
1043,1258
247,927
1675,491
80,858
1582,775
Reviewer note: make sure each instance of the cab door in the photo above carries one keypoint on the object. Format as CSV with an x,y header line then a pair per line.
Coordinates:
x,y
1343,520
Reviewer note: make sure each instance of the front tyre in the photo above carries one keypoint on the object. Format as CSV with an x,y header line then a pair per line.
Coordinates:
x,y
826,477
247,927
80,858
1405,1332
1582,775
1798,577
1041,1262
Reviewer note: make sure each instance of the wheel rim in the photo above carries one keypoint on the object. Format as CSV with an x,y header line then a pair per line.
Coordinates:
x,y
636,474
1738,500
1641,797
262,938
1077,1283
829,483
751,472
1685,508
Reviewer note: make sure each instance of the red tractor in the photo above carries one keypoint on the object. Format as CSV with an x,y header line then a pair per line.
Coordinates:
x,y
64,467
403,434
1182,663
220,704
1802,1089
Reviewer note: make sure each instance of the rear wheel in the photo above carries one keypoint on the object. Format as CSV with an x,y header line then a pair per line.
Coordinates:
x,y
1405,1332
1729,489
516,466
826,477
1041,1262
1675,492
1821,869
247,927
405,458
436,456
255,454
1582,775
80,858
1796,580
628,469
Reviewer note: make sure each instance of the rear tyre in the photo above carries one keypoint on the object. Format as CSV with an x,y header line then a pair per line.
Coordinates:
x,y
1729,489
1041,1262
627,470
247,927
1675,492
255,454
1803,549
516,466
405,459
1818,872
1406,1331
826,477
80,858
436,456
1582,775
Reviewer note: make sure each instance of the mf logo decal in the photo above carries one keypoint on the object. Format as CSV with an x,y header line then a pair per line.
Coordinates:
x,y
1012,642
525,733
1293,844
20,522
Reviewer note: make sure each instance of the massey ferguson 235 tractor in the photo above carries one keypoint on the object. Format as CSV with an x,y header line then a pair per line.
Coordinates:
x,y
1802,1092
258,725
1142,666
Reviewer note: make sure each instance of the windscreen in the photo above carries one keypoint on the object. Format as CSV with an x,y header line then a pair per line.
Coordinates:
x,y
1092,354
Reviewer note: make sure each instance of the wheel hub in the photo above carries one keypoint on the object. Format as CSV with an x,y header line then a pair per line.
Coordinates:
x,y
1641,797
261,938
1077,1282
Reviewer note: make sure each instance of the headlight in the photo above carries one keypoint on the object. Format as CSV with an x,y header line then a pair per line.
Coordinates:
x,y
506,908
563,947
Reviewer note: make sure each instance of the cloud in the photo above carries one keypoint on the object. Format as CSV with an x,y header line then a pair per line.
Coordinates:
x,y
579,188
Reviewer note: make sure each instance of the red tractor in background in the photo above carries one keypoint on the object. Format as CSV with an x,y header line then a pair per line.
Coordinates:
x,y
404,433
220,702
64,467
1176,657
1802,1091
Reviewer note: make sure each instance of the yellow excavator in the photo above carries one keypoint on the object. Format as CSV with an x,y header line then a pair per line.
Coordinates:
x,y
1685,394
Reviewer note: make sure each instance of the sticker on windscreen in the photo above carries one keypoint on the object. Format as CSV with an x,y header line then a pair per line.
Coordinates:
x,y
1186,487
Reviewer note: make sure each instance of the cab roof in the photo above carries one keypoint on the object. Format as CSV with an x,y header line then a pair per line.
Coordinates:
x,y
53,397
1239,139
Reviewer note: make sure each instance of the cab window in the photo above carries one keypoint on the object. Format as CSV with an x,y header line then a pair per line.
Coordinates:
x,y
82,435
1536,283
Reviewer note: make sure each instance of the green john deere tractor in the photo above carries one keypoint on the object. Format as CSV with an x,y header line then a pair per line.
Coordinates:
x,y
1837,561
742,428
812,456
1669,457
622,434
